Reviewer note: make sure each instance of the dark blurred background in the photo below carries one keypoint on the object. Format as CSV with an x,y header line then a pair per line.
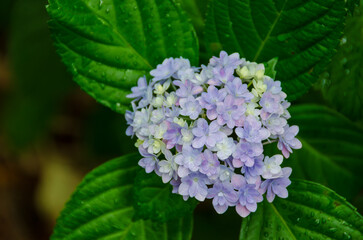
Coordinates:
x,y
52,133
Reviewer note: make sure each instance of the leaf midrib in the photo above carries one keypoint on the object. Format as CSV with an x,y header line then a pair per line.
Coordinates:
x,y
269,32
282,220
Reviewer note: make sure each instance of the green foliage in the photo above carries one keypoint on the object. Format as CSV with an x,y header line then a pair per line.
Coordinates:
x,y
310,212
154,199
39,78
108,45
332,149
342,83
104,134
101,208
302,34
270,67
5,10
196,10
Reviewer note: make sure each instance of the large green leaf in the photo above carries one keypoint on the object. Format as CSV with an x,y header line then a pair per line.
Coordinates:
x,y
154,199
332,149
310,212
39,78
302,34
101,208
108,44
342,83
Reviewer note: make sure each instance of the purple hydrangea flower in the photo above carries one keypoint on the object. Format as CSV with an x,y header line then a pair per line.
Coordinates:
x,y
210,164
272,86
225,173
173,135
239,91
129,116
210,99
232,61
245,154
194,185
164,70
172,112
149,161
141,123
209,127
223,196
287,141
230,113
248,196
168,167
271,103
275,124
221,76
175,183
187,137
191,108
206,134
140,90
272,167
253,173
189,160
225,148
168,68
277,186
187,89
204,76
252,131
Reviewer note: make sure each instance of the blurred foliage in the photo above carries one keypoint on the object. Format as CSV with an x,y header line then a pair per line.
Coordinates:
x,y
39,79
5,10
342,82
104,134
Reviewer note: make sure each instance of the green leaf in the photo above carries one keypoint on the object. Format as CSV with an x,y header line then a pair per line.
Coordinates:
x,y
101,208
270,67
342,83
310,212
154,199
109,44
302,34
196,10
41,81
332,149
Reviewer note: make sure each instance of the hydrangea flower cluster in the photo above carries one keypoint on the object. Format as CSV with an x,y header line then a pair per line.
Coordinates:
x,y
203,131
